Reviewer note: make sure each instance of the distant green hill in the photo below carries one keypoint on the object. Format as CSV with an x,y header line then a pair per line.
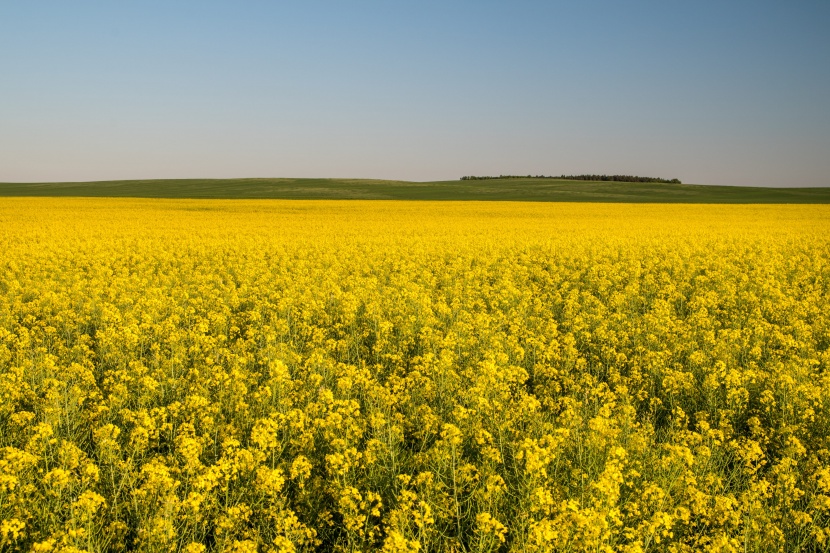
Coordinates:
x,y
514,189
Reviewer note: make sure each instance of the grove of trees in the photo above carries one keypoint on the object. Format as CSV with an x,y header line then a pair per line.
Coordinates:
x,y
615,178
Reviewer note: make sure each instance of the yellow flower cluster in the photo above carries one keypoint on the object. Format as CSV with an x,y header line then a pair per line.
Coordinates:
x,y
285,376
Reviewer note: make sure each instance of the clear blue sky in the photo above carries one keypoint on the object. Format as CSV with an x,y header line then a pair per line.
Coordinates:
x,y
714,92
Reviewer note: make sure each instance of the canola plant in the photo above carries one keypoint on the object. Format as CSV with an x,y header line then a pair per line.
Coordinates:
x,y
277,376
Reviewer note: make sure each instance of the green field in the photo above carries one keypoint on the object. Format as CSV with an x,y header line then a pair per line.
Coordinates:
x,y
537,190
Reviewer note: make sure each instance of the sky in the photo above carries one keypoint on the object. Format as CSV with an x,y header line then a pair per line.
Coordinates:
x,y
710,92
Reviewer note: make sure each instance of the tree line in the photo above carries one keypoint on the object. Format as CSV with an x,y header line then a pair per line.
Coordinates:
x,y
615,178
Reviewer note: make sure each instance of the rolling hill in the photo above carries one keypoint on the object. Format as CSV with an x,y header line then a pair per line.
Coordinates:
x,y
536,190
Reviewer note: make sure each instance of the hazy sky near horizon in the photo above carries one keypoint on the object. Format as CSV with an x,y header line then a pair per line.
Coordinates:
x,y
712,92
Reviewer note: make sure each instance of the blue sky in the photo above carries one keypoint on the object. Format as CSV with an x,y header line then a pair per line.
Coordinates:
x,y
726,92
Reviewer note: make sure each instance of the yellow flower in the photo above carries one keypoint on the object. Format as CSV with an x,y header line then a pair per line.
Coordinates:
x,y
89,503
270,481
395,542
490,526
57,478
11,530
244,546
44,546
300,468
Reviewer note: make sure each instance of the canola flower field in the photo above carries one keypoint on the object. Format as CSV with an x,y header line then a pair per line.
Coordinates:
x,y
276,376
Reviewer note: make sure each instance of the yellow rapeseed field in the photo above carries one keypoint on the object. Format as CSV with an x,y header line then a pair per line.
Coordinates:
x,y
275,376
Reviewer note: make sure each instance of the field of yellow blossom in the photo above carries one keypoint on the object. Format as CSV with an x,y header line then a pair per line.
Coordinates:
x,y
274,376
